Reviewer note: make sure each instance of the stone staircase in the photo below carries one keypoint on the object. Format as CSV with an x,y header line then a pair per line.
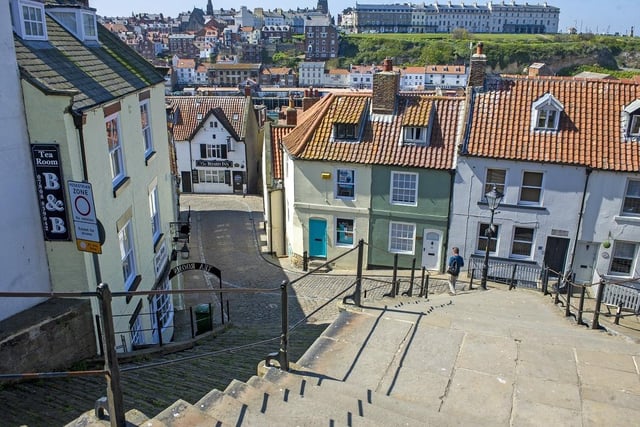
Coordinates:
x,y
341,380
493,358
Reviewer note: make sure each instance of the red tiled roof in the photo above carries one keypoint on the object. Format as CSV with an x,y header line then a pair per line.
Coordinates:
x,y
278,132
190,107
380,142
590,129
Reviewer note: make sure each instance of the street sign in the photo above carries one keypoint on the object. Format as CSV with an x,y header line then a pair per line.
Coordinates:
x,y
84,217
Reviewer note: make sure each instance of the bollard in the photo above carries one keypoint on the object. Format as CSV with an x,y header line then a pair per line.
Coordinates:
x,y
422,282
618,313
193,332
596,314
556,300
473,273
305,261
583,289
159,323
567,309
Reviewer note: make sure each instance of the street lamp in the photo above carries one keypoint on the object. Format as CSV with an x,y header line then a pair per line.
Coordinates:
x,y
494,197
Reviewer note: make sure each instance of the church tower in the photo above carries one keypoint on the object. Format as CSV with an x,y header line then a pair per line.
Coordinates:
x,y
323,6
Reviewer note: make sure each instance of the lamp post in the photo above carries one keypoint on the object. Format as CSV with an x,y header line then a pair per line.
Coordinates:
x,y
494,197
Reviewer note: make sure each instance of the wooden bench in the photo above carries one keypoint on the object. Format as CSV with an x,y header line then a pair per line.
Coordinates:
x,y
623,299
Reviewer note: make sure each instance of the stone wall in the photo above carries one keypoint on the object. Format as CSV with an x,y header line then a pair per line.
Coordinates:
x,y
50,336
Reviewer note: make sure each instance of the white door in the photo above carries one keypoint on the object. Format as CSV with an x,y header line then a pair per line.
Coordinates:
x,y
431,249
585,259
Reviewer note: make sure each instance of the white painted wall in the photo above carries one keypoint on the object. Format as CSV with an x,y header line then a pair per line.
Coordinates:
x,y
561,198
605,221
23,262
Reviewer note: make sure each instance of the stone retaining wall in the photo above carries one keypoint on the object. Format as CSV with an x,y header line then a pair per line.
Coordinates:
x,y
50,336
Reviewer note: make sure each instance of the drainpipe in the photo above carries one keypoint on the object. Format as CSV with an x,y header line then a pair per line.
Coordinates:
x,y
452,173
580,216
78,123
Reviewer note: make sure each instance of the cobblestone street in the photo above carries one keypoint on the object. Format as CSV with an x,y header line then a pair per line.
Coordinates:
x,y
227,232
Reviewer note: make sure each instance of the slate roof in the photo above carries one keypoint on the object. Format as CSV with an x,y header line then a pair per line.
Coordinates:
x,y
95,73
590,128
187,108
380,142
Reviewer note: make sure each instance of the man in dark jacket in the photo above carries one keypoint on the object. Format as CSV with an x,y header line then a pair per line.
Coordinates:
x,y
453,268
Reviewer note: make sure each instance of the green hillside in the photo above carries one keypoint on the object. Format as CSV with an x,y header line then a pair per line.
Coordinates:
x,y
505,52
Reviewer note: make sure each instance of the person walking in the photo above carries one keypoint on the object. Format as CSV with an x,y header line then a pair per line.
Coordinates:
x,y
453,268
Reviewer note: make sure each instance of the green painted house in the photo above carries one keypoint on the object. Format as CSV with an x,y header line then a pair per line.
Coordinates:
x,y
375,166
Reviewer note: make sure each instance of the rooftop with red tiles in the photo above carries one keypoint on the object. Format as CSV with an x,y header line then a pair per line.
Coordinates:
x,y
592,129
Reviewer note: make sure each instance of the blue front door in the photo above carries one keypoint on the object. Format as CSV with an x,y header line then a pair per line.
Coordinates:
x,y
318,238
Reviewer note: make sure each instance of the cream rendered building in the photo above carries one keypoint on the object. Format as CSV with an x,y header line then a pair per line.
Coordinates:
x,y
99,107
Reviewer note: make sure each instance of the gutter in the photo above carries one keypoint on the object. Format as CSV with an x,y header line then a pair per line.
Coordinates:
x,y
580,217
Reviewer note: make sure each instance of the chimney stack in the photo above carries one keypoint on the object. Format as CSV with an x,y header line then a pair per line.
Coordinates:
x,y
311,96
477,69
385,88
291,113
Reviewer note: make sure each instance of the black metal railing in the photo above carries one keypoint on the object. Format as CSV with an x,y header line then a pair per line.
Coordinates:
x,y
113,403
509,272
621,295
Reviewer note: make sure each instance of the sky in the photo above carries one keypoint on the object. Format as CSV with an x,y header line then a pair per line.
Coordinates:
x,y
600,16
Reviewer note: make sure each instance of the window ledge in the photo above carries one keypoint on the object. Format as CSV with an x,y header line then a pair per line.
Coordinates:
x,y
121,186
627,218
480,255
157,243
149,157
133,287
512,206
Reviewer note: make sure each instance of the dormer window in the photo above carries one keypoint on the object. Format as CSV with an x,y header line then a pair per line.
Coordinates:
x,y
631,120
80,22
415,135
344,131
634,129
28,19
545,113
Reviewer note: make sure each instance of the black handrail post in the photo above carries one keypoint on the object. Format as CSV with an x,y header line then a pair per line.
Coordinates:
x,y
114,390
159,323
424,269
567,310
596,313
284,337
473,273
583,289
305,261
616,321
513,277
211,316
409,292
394,282
556,300
426,287
99,330
545,281
221,302
193,332
357,296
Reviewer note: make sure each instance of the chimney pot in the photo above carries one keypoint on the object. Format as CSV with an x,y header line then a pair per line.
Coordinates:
x,y
479,48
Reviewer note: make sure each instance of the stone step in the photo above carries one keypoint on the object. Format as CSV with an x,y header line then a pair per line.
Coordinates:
x,y
133,417
361,411
182,414
306,382
285,409
231,411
